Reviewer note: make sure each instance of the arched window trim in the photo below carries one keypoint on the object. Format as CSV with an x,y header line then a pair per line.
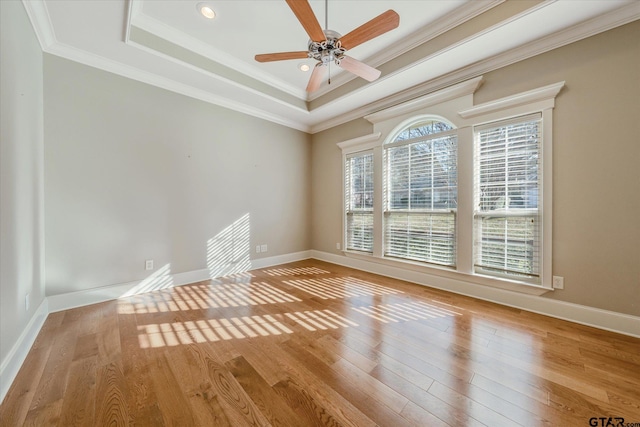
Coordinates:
x,y
408,123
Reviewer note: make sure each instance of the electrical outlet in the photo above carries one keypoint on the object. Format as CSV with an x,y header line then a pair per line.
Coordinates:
x,y
257,249
148,264
263,248
558,282
338,246
27,301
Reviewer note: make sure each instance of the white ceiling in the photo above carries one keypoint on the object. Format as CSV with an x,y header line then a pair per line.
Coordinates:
x,y
167,43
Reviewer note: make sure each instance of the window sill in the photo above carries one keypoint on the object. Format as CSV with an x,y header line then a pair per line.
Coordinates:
x,y
448,273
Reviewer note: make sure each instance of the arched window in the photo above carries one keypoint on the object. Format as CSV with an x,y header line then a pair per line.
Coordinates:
x,y
420,193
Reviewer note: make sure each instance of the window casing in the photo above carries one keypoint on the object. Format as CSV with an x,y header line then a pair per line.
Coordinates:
x,y
478,217
359,202
507,198
420,180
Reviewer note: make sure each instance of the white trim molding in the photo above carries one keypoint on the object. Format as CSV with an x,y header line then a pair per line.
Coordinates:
x,y
41,22
429,32
13,361
545,94
452,92
70,300
603,319
361,143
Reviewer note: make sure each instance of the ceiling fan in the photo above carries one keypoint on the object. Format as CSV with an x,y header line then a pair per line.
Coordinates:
x,y
329,46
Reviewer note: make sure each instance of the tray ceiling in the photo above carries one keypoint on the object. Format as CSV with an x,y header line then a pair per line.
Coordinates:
x,y
170,45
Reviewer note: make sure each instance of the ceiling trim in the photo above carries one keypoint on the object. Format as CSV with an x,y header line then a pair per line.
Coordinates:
x,y
460,42
461,89
570,35
302,107
133,73
444,24
41,22
188,42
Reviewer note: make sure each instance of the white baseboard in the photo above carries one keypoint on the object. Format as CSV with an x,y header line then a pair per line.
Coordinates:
x,y
280,259
590,316
70,300
18,353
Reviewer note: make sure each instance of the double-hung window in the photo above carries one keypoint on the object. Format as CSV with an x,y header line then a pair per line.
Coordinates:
x,y
359,202
507,198
421,193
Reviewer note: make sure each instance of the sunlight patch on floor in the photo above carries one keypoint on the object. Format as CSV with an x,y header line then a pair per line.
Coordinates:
x,y
403,312
314,320
209,330
299,271
340,287
204,296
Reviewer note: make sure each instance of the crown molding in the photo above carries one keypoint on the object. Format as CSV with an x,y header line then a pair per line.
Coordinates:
x,y
453,19
570,35
229,81
133,73
461,89
194,45
450,47
41,22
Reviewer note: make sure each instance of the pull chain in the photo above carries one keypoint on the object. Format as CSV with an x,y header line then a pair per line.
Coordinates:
x,y
326,27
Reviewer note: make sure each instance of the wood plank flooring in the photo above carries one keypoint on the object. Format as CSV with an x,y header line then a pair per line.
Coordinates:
x,y
315,344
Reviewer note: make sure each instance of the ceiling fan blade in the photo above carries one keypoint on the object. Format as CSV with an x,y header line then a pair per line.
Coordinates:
x,y
281,56
359,68
307,18
316,77
374,28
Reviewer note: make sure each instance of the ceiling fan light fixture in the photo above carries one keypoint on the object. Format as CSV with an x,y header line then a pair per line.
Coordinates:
x,y
327,46
206,10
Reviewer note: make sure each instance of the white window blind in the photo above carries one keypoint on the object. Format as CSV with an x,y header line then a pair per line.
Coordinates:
x,y
507,237
359,202
421,194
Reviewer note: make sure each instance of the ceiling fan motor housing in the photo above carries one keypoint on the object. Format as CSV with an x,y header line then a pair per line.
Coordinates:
x,y
327,50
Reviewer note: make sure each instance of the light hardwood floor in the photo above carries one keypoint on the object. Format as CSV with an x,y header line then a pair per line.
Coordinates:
x,y
311,343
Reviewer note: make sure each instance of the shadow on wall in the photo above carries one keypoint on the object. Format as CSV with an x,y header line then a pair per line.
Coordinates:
x,y
229,251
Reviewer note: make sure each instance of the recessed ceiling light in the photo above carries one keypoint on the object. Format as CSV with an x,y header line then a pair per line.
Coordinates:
x,y
304,67
206,10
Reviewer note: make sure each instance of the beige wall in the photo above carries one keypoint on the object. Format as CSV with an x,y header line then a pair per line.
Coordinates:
x,y
21,205
596,245
134,172
326,178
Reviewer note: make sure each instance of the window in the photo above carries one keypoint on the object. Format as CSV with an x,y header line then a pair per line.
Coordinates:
x,y
507,198
420,197
359,202
456,190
